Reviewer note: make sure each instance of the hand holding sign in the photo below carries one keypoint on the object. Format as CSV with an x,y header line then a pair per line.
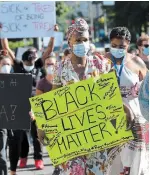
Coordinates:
x,y
82,118
56,28
32,115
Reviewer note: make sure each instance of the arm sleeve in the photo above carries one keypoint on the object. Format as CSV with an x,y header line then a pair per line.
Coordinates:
x,y
39,85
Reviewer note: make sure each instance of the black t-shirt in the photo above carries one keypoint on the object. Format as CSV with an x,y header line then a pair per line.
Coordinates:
x,y
37,73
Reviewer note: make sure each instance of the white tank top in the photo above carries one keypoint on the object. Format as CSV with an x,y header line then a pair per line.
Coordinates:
x,y
129,86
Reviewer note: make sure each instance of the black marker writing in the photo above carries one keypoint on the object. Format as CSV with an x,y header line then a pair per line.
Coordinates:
x,y
52,112
93,93
97,133
79,97
62,91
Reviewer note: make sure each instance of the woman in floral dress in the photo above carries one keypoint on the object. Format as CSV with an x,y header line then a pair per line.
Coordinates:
x,y
115,161
80,67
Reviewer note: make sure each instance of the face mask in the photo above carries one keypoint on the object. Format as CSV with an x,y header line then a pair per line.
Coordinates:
x,y
80,50
117,53
146,51
28,68
50,70
6,69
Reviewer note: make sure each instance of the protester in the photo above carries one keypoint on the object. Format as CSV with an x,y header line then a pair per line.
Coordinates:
x,y
143,46
46,83
6,62
29,58
144,97
130,71
80,67
18,142
5,67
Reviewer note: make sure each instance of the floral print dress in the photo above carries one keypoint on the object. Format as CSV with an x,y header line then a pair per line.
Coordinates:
x,y
130,158
95,163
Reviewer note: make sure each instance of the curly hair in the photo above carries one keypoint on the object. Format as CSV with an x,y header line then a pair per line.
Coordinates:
x,y
121,33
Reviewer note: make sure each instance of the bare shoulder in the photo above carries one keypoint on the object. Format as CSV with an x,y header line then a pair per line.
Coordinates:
x,y
138,61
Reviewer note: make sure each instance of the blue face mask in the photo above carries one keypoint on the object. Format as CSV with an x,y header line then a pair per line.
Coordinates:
x,y
146,51
80,50
117,53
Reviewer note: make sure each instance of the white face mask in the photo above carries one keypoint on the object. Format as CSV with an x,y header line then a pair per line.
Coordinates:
x,y
28,68
117,53
82,49
50,70
5,69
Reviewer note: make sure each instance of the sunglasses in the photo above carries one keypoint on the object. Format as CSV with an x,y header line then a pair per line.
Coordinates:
x,y
4,52
146,45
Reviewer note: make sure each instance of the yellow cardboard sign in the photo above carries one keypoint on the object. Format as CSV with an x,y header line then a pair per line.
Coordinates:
x,y
82,118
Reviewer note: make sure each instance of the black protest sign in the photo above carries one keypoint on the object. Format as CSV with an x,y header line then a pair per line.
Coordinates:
x,y
15,91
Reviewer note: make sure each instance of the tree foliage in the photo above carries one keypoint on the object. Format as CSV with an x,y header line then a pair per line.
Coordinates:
x,y
62,12
61,8
132,14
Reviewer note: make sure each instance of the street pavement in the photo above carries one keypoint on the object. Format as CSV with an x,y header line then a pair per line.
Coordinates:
x,y
30,169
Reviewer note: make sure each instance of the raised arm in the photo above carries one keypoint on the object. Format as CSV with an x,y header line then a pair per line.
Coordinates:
x,y
50,47
5,45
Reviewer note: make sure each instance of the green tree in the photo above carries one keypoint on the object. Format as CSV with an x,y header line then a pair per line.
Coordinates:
x,y
62,13
132,14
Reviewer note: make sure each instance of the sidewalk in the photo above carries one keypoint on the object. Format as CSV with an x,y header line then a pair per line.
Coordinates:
x,y
30,169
